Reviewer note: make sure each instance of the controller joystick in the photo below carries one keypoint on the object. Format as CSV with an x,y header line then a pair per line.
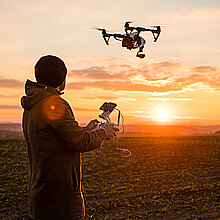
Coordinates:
x,y
102,124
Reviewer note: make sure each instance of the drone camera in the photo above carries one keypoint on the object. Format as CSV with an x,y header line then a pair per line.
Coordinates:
x,y
127,42
142,55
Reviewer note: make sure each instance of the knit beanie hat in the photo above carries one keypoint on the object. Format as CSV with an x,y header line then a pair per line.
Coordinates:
x,y
50,70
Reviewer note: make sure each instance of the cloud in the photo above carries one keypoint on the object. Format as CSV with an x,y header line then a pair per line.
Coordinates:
x,y
122,86
203,69
11,83
19,107
124,99
9,107
154,71
170,117
154,77
165,65
169,99
100,97
110,98
209,80
120,66
159,77
8,96
103,72
112,59
84,109
94,72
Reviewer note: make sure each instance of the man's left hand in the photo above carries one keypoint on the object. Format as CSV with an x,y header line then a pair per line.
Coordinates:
x,y
92,124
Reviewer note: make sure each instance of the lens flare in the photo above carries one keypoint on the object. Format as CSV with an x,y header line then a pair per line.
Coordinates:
x,y
54,107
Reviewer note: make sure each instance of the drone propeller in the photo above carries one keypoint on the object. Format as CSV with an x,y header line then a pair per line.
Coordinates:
x,y
155,26
98,29
104,31
129,22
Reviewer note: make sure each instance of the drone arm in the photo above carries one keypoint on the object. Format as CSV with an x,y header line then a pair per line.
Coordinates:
x,y
106,39
118,37
156,33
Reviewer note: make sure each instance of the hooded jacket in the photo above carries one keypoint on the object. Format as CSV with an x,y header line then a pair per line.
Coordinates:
x,y
55,142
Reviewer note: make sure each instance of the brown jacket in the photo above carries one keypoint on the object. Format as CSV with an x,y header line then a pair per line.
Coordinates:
x,y
55,142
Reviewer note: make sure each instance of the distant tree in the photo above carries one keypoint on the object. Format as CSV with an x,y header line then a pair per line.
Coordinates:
x,y
217,133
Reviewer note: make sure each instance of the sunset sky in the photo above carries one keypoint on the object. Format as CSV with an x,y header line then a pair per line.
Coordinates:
x,y
178,82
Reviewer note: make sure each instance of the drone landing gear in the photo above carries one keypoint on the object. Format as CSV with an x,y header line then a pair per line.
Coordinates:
x,y
139,54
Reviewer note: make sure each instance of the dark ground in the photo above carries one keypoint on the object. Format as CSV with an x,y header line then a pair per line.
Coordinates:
x,y
164,178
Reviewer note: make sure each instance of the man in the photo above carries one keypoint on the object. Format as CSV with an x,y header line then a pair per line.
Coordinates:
x,y
55,142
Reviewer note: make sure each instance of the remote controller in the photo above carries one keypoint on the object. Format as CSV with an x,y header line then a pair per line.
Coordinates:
x,y
102,125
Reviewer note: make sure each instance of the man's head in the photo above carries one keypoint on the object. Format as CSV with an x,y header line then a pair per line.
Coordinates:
x,y
50,70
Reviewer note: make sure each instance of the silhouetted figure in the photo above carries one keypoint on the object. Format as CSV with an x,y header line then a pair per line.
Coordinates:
x,y
55,142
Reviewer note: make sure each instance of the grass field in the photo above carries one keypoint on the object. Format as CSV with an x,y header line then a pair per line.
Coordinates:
x,y
164,178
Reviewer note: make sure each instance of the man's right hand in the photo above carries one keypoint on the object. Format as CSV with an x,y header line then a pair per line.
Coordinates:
x,y
111,130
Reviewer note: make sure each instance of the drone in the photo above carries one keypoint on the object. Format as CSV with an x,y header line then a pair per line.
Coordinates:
x,y
132,39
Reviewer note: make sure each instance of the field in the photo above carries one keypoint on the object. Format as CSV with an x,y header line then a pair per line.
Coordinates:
x,y
164,178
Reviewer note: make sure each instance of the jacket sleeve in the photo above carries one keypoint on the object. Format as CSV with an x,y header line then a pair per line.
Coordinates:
x,y
60,117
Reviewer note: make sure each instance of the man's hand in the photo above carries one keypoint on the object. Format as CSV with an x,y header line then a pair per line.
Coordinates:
x,y
92,124
111,130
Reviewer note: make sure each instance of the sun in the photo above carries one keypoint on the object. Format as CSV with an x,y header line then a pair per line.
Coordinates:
x,y
162,114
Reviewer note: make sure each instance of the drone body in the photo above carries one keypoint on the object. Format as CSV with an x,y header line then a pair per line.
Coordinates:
x,y
132,39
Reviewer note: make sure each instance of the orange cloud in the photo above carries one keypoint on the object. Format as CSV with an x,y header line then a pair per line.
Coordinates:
x,y
10,83
120,66
159,77
95,72
169,99
153,71
9,107
84,109
203,69
8,96
102,72
100,97
122,86
165,65
112,59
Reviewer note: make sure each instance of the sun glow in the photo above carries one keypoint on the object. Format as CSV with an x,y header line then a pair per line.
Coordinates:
x,y
162,114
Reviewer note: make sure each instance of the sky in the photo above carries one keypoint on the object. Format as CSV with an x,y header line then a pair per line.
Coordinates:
x,y
178,82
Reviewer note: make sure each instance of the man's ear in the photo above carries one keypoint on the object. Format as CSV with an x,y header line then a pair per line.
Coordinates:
x,y
63,85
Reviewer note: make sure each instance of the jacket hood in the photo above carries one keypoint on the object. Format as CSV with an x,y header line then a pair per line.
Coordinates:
x,y
35,92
